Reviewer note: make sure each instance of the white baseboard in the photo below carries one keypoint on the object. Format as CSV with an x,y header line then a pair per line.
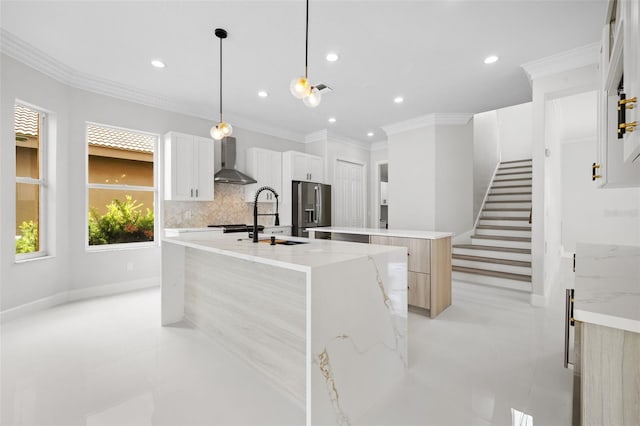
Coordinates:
x,y
77,294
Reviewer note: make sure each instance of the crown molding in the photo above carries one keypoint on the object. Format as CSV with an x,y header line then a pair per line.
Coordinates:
x,y
352,142
319,136
563,61
378,146
40,61
436,119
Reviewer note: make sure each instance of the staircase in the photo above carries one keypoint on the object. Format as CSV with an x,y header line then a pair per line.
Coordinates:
x,y
500,250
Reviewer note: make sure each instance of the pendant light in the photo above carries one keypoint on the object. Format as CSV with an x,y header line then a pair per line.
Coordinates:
x,y
221,129
300,87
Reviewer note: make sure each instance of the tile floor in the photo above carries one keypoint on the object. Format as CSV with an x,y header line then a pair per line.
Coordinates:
x,y
107,361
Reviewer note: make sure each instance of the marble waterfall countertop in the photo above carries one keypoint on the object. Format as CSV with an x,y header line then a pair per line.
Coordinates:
x,y
607,286
301,257
407,233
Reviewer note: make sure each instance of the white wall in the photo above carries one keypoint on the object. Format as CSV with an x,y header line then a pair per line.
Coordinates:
x,y
545,89
515,132
591,214
72,267
454,178
486,154
412,183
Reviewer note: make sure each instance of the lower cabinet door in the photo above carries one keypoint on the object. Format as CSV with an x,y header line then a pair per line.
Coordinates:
x,y
419,293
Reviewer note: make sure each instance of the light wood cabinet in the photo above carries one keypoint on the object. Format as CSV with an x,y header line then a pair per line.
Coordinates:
x,y
265,166
188,167
618,153
429,270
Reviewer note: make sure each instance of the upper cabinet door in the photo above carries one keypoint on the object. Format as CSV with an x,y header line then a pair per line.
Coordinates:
x,y
265,166
189,166
303,167
204,168
631,13
316,169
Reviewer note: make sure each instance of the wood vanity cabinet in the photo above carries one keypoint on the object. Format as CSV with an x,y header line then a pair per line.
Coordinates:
x,y
428,271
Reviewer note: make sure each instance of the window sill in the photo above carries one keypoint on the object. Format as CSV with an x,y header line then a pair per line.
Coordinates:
x,y
121,247
34,259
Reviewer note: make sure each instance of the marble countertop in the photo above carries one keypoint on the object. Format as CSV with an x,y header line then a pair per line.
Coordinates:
x,y
300,257
407,233
607,286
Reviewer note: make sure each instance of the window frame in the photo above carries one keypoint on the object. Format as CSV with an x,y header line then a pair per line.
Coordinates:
x,y
42,182
155,189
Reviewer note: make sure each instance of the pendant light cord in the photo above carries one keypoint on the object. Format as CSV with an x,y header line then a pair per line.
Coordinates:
x,y
221,79
306,45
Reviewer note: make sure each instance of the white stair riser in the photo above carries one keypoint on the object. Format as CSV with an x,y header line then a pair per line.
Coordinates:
x,y
492,281
520,169
491,253
498,182
513,175
520,214
499,189
523,222
503,232
509,205
505,197
493,266
501,243
524,163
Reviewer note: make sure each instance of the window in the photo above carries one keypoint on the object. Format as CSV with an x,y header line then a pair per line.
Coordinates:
x,y
31,182
121,186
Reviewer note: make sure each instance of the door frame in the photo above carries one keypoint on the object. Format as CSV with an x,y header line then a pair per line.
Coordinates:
x,y
364,189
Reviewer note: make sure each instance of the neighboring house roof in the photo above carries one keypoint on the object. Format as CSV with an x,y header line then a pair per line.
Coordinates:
x,y
119,139
25,121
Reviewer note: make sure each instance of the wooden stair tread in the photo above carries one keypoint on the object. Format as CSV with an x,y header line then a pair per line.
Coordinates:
x,y
497,274
508,201
511,180
511,173
529,166
505,227
502,238
495,260
511,186
516,161
492,248
510,193
508,209
512,218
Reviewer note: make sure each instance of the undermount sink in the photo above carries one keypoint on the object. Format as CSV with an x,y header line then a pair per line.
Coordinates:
x,y
284,242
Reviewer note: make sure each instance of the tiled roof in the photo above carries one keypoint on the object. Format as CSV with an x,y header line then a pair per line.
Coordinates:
x,y
119,139
25,120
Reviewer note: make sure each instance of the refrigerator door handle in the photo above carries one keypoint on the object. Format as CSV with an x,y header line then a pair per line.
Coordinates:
x,y
318,203
300,209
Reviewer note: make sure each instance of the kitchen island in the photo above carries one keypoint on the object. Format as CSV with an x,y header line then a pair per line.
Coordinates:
x,y
325,322
429,261
606,310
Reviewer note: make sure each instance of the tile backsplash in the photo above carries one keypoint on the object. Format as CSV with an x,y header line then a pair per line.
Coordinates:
x,y
228,207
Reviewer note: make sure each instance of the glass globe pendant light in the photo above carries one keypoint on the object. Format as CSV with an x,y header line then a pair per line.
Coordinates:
x,y
221,129
300,87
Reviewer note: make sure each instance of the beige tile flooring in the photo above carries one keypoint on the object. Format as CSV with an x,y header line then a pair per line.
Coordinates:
x,y
107,361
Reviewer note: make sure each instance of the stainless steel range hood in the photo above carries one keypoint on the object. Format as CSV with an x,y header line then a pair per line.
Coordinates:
x,y
228,173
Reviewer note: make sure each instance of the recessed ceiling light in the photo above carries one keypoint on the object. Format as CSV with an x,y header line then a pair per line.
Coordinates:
x,y
398,99
158,63
332,57
370,134
332,119
263,94
490,59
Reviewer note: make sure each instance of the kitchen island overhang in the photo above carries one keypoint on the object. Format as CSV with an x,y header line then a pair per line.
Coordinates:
x,y
325,321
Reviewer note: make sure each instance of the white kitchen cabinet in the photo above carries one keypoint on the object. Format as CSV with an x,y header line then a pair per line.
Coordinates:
x,y
265,166
617,163
302,166
188,167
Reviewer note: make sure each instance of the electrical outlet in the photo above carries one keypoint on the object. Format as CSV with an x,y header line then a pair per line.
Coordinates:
x,y
187,214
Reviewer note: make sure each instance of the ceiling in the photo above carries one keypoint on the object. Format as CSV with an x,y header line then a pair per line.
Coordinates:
x,y
429,52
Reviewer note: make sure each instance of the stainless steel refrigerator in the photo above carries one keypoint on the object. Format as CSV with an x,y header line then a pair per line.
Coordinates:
x,y
311,206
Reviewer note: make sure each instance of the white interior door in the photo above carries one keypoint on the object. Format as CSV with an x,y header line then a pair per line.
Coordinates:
x,y
349,187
